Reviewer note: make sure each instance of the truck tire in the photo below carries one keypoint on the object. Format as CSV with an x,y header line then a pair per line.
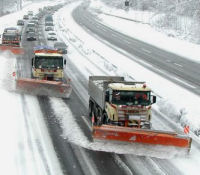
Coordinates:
x,y
99,116
90,110
106,120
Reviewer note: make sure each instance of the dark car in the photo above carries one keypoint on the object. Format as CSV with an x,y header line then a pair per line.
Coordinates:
x,y
61,47
20,23
26,17
31,36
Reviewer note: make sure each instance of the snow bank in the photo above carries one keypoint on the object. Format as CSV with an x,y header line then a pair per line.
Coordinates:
x,y
143,32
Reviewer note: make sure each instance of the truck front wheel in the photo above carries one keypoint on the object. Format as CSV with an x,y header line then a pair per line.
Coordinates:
x,y
99,118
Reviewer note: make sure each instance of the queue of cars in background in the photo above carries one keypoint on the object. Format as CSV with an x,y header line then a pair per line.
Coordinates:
x,y
32,22
31,26
49,27
51,34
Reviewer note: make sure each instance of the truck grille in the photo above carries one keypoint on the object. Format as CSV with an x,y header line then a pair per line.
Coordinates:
x,y
124,113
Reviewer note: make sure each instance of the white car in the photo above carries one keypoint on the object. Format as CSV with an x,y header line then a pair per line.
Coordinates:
x,y
30,27
52,36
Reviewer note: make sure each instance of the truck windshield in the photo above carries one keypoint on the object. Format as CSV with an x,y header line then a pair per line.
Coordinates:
x,y
10,37
131,98
49,62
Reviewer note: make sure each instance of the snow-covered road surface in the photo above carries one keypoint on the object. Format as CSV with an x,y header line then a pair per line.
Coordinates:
x,y
113,62
26,145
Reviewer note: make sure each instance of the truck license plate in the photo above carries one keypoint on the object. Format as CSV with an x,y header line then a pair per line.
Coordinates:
x,y
134,117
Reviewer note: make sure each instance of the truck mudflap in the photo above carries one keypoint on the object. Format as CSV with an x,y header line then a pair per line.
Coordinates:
x,y
15,50
43,87
144,136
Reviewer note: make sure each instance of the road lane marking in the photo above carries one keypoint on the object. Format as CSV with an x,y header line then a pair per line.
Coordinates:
x,y
145,50
87,122
168,61
122,164
187,84
178,64
113,35
126,41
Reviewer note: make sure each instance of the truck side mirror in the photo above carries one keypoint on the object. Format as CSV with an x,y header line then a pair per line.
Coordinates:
x,y
153,99
0,36
65,62
107,96
32,62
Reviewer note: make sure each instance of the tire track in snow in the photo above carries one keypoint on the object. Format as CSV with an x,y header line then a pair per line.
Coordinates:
x,y
30,139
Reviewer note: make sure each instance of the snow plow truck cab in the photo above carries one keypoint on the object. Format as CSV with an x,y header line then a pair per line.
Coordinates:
x,y
121,111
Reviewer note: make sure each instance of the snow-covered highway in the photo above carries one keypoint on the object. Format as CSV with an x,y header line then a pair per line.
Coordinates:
x,y
43,135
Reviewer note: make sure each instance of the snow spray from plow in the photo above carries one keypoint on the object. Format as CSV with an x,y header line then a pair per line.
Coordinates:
x,y
73,133
43,87
14,50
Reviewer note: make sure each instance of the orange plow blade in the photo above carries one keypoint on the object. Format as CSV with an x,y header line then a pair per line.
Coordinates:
x,y
43,87
14,50
133,135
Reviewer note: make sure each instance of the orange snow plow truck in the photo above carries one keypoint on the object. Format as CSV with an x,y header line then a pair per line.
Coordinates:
x,y
47,75
121,111
11,40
